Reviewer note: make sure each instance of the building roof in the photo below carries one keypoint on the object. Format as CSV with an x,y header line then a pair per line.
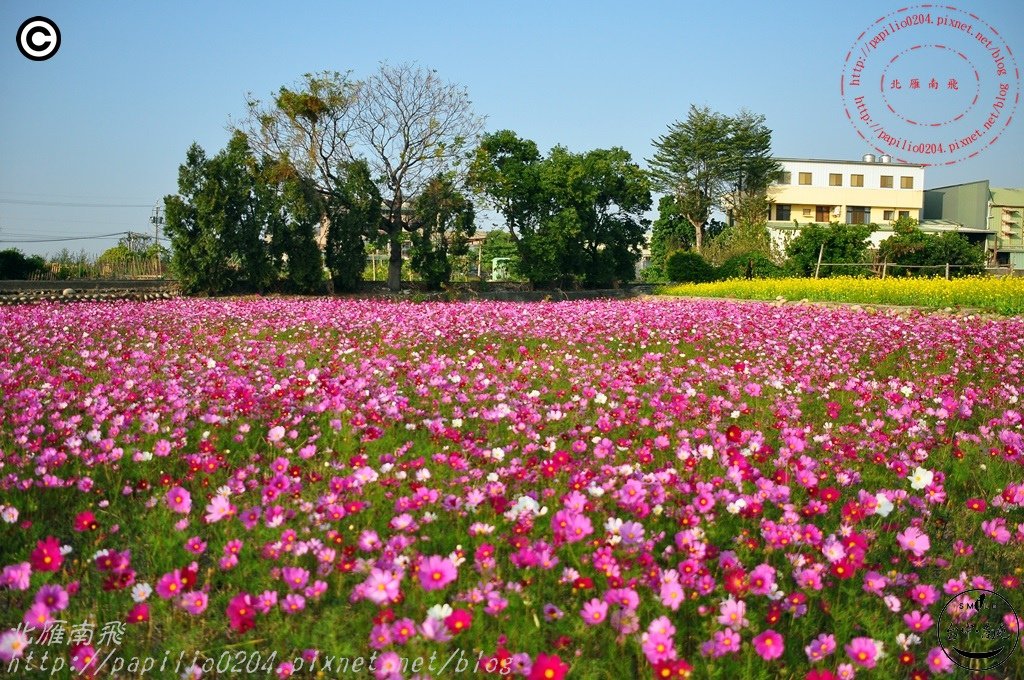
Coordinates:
x,y
851,162
1009,197
948,225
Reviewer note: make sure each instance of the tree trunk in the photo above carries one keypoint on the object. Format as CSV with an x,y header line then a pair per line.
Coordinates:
x,y
395,258
698,231
395,242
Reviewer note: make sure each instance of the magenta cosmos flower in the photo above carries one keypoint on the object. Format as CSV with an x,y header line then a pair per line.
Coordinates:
x,y
769,645
46,556
436,572
179,500
863,651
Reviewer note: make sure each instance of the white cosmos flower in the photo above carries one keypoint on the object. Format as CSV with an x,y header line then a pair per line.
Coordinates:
x,y
884,507
141,592
921,478
440,611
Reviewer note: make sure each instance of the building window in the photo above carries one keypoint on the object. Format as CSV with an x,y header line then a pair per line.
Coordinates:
x,y
904,213
807,212
822,214
785,178
805,178
856,180
782,212
835,179
856,214
887,215
886,181
906,182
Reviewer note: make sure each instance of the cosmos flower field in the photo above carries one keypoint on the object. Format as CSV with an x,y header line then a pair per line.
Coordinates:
x,y
599,489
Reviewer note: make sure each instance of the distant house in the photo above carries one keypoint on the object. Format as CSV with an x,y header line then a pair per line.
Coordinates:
x,y
868,191
998,214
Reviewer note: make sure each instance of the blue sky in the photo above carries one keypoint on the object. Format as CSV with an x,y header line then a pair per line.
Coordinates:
x,y
108,119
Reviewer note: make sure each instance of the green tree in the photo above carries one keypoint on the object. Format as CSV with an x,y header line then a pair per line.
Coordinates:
x,y
670,232
354,214
688,267
505,173
412,126
293,221
742,239
218,222
404,122
576,219
713,161
843,243
15,266
442,224
909,246
499,244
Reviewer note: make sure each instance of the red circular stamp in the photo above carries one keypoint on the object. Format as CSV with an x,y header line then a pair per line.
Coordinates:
x,y
930,84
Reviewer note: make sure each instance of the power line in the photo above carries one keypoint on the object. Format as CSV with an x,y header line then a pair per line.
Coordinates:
x,y
70,204
69,238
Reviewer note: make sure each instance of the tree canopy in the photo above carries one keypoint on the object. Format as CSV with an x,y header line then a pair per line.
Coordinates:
x,y
713,161
403,125
576,218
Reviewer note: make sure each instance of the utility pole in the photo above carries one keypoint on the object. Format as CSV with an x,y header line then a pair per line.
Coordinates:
x,y
157,220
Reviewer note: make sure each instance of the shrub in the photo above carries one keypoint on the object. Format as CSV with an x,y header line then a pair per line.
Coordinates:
x,y
684,266
762,267
14,265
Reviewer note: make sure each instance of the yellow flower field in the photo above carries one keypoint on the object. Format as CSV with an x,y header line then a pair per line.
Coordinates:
x,y
1002,295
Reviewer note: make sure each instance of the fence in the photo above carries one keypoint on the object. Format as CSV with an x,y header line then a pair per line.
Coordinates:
x,y
83,268
881,269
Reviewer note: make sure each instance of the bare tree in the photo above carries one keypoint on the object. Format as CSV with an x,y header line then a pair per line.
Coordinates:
x,y
412,126
306,128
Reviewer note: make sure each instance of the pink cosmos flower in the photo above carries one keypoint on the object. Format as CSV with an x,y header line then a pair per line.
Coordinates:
x,y
658,648
732,613
295,577
195,545
403,630
382,586
594,612
265,602
769,645
293,603
241,613
53,596
863,651
917,621
389,666
38,615
194,602
16,576
219,508
434,630
380,636
672,595
938,662
436,572
170,585
913,540
996,530
83,657
179,500
820,647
